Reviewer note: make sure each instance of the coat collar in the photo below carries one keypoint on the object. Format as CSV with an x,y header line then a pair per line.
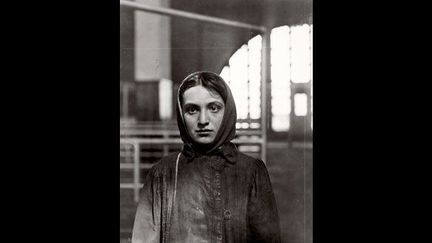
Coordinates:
x,y
229,151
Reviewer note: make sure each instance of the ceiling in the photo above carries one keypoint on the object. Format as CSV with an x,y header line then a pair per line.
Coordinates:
x,y
270,13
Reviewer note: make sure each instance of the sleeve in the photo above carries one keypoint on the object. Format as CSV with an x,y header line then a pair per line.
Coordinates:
x,y
263,218
146,227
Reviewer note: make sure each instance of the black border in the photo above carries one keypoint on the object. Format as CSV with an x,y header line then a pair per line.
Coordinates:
x,y
62,133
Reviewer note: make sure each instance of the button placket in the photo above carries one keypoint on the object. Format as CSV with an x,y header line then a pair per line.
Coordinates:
x,y
218,202
227,214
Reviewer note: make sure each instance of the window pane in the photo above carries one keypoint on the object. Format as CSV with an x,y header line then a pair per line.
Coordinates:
x,y
254,45
280,78
165,99
225,74
300,54
280,123
239,74
300,104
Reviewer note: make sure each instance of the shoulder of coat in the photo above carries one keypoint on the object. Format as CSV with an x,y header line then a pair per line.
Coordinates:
x,y
165,163
250,161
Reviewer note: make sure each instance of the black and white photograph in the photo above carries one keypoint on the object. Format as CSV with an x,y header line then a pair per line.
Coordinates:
x,y
216,121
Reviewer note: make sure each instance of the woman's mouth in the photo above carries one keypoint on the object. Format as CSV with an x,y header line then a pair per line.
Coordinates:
x,y
204,132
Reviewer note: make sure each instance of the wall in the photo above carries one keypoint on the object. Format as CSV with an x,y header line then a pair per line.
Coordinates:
x,y
127,42
152,43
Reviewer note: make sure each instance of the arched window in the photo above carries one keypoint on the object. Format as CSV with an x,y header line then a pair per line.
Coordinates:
x,y
291,68
243,75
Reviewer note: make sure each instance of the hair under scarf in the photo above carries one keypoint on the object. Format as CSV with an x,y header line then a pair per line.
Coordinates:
x,y
227,129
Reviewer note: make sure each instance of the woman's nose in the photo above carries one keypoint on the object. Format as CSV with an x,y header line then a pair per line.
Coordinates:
x,y
203,119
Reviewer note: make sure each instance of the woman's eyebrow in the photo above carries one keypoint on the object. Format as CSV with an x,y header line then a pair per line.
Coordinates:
x,y
215,103
188,105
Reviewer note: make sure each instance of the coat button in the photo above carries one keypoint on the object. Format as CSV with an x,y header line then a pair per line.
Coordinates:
x,y
227,214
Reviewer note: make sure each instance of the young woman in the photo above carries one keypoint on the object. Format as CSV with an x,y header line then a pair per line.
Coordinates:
x,y
209,192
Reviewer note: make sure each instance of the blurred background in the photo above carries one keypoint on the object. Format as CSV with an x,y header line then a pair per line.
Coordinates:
x,y
263,49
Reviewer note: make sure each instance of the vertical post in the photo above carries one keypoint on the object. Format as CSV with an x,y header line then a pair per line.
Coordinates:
x,y
125,90
136,170
265,78
165,136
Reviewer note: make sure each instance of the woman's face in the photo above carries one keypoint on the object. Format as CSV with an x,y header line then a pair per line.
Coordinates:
x,y
203,112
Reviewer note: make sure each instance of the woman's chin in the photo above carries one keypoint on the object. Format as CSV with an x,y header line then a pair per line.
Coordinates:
x,y
204,140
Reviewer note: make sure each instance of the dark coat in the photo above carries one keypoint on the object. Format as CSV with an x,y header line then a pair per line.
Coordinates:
x,y
226,198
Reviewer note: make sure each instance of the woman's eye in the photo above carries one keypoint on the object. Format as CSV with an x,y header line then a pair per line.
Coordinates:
x,y
214,108
192,110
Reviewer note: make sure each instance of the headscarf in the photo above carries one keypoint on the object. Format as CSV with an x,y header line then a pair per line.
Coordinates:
x,y
227,129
